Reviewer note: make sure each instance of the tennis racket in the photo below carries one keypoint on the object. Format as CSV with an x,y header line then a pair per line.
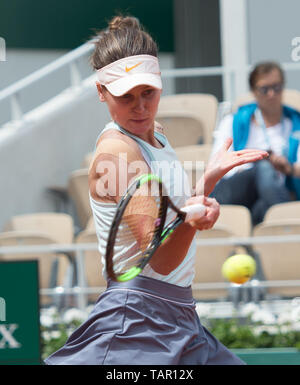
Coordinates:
x,y
138,227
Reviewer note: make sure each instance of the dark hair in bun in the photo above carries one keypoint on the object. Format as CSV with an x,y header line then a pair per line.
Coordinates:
x,y
124,37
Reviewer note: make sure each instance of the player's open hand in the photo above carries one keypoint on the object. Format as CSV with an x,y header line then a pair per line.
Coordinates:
x,y
223,161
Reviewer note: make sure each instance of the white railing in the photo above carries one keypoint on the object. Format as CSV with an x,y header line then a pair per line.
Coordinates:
x,y
71,59
81,290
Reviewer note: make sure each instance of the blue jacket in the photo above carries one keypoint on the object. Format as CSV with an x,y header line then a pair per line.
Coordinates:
x,y
241,126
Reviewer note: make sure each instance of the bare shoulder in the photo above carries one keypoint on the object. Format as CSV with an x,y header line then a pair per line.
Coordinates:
x,y
158,127
114,150
115,143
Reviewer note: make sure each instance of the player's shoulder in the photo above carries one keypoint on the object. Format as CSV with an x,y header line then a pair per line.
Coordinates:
x,y
158,127
114,151
113,141
114,144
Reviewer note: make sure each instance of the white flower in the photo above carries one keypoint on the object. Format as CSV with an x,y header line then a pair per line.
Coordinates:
x,y
46,320
286,328
55,334
284,318
296,326
74,315
51,311
295,314
263,316
249,309
49,316
295,301
47,336
203,309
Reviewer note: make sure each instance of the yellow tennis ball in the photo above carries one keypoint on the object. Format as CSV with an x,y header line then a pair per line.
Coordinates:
x,y
239,268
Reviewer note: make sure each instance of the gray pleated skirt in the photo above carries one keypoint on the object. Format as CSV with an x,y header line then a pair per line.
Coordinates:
x,y
143,322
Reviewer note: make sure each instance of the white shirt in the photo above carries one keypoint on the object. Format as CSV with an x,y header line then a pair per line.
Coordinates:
x,y
277,138
104,212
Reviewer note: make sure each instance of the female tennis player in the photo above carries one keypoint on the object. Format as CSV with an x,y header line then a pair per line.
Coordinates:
x,y
150,319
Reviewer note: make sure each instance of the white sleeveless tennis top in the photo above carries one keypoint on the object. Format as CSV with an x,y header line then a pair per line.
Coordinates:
x,y
164,163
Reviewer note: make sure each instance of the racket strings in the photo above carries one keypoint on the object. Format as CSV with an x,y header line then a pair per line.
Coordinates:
x,y
137,227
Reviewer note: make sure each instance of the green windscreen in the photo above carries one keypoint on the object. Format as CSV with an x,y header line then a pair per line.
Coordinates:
x,y
56,24
19,313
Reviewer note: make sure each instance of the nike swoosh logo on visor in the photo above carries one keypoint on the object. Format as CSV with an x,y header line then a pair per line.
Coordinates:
x,y
127,69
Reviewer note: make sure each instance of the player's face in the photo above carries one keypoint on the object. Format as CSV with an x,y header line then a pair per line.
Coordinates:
x,y
268,90
134,111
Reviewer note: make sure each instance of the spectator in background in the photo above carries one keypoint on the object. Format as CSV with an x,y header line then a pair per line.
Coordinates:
x,y
268,125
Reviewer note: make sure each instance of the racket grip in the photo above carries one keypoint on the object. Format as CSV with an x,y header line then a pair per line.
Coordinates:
x,y
194,212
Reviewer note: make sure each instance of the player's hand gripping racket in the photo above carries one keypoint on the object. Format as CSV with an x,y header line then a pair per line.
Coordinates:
x,y
138,227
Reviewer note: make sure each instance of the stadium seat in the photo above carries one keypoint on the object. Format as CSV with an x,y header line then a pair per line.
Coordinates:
x,y
194,158
78,189
57,226
236,219
283,211
290,97
53,267
196,152
87,160
208,263
281,260
188,119
92,263
90,224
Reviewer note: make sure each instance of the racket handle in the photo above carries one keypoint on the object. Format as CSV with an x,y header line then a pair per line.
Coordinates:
x,y
194,212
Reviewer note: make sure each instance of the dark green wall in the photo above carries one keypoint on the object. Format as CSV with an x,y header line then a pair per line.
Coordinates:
x,y
66,24
198,44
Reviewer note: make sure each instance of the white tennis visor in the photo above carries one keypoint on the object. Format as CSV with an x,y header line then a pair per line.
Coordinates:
x,y
122,75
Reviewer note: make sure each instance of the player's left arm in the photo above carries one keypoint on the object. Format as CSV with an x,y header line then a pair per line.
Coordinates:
x,y
222,162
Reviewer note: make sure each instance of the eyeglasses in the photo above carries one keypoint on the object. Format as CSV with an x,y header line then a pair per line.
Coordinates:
x,y
277,88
